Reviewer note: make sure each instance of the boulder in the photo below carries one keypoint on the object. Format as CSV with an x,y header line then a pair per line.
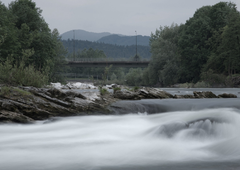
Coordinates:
x,y
153,93
9,117
126,95
225,95
204,94
186,96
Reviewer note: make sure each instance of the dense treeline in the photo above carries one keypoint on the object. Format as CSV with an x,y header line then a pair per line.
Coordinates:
x,y
205,48
125,40
30,54
112,51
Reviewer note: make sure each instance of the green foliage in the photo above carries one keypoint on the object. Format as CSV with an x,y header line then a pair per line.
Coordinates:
x,y
20,74
202,84
103,91
213,78
136,88
134,77
23,32
116,89
105,74
163,67
5,91
22,92
193,49
206,47
113,77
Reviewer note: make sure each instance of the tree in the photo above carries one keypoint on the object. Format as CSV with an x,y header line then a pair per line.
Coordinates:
x,y
8,33
23,32
193,49
225,43
163,67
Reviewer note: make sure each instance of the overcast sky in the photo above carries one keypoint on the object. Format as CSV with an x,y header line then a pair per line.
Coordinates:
x,y
118,16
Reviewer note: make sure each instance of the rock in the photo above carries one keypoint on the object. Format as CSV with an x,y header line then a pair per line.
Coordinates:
x,y
144,93
225,95
9,117
153,93
42,104
204,94
126,95
186,96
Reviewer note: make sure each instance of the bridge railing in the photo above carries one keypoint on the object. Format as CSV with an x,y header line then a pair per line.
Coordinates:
x,y
104,59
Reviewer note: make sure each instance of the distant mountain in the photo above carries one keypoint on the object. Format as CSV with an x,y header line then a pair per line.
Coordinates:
x,y
105,37
83,35
125,40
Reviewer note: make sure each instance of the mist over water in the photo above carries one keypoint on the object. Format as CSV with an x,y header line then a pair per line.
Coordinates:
x,y
196,138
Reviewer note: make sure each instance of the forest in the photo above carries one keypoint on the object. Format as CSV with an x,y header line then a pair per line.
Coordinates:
x,y
204,50
30,53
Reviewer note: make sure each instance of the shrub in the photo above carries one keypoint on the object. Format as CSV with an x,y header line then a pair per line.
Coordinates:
x,y
22,92
103,91
136,88
201,84
5,91
116,89
20,74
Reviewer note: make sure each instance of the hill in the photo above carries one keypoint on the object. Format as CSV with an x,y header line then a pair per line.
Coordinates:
x,y
83,35
125,40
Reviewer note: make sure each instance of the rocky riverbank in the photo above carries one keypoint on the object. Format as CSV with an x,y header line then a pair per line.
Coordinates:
x,y
29,104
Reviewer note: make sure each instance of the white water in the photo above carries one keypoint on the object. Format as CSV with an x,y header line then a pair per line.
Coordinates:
x,y
101,142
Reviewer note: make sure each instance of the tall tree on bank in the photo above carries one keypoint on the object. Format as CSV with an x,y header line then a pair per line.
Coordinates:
x,y
225,56
192,45
206,24
29,34
163,68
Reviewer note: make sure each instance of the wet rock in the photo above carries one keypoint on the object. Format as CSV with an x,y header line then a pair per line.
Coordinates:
x,y
153,93
225,95
9,117
144,93
204,94
186,96
42,104
126,95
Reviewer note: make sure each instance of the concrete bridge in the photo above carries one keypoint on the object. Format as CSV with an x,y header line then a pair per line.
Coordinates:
x,y
104,62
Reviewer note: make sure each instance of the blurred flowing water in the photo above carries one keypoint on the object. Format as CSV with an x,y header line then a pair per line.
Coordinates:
x,y
182,134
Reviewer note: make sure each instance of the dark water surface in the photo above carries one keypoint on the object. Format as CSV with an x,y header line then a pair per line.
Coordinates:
x,y
182,134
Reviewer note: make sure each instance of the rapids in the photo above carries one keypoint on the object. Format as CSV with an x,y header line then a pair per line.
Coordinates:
x,y
182,134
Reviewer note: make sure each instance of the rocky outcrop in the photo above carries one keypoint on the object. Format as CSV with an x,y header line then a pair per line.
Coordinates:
x,y
27,104
41,104
154,93
144,93
9,117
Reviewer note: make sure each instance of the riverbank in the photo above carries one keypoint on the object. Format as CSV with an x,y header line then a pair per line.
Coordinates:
x,y
29,104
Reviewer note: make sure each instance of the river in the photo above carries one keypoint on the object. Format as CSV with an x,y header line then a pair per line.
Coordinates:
x,y
170,134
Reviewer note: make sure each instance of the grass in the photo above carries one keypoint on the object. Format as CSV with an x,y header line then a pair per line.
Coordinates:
x,y
116,89
6,91
103,91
